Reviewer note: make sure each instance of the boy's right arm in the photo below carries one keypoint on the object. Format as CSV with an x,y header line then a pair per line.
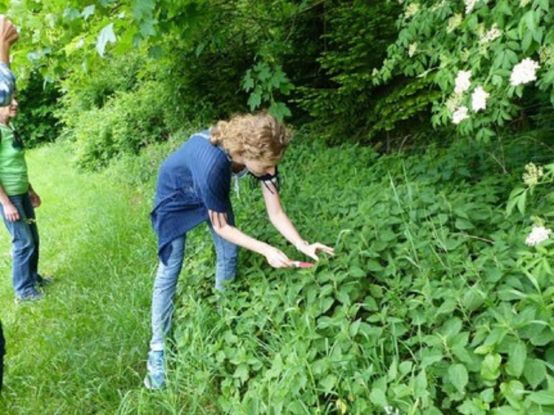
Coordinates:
x,y
274,256
8,36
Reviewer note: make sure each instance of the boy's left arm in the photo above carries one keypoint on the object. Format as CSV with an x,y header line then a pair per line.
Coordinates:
x,y
283,224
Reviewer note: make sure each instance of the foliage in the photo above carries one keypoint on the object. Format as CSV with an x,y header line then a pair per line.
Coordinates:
x,y
487,40
38,103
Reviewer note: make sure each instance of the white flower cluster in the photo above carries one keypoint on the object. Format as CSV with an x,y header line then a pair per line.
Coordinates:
x,y
470,4
462,82
524,72
460,114
532,174
538,234
524,3
492,34
454,22
390,410
412,10
412,49
479,99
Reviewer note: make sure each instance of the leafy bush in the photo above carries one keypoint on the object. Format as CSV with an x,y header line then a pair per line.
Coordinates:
x,y
37,120
480,54
128,122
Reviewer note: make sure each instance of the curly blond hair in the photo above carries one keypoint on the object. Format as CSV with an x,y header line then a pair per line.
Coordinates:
x,y
253,136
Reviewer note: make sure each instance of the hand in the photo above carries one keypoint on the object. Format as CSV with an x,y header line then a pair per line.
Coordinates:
x,y
8,32
10,212
312,249
35,199
276,258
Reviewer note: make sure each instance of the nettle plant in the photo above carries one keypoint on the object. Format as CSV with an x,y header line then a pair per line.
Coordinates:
x,y
480,54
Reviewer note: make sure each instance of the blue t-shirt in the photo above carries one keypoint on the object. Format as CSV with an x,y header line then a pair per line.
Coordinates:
x,y
194,178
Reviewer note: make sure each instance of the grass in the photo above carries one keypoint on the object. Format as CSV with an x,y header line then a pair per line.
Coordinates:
x,y
81,349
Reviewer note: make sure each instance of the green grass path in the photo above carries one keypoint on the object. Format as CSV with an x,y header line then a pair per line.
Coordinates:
x,y
81,349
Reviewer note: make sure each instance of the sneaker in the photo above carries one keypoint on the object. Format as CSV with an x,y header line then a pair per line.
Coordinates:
x,y
155,378
30,297
44,281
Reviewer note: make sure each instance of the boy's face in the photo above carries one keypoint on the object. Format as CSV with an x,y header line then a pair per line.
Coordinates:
x,y
258,168
9,111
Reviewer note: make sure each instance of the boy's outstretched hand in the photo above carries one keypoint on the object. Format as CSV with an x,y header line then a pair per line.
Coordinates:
x,y
276,258
8,36
311,250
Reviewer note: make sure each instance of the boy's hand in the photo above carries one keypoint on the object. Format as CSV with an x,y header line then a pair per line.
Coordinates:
x,y
35,199
276,258
312,249
8,32
10,212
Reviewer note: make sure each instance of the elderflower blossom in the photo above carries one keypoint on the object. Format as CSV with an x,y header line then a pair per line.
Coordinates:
x,y
524,3
538,234
492,34
412,49
463,81
454,22
460,114
524,72
532,174
470,4
479,99
412,10
390,410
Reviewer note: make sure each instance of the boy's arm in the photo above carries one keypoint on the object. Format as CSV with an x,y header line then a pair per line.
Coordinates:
x,y
8,36
275,257
284,225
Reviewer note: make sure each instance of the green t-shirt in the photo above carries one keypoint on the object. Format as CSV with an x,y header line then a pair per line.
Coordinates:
x,y
13,168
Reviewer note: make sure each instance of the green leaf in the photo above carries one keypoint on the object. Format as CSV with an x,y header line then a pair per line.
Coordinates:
x,y
255,99
458,377
513,391
542,397
106,36
534,372
516,359
378,397
490,367
279,110
328,383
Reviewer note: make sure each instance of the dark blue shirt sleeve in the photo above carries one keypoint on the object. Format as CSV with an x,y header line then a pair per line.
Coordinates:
x,y
7,84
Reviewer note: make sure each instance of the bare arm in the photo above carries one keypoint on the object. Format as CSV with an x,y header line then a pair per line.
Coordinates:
x,y
277,215
274,257
8,36
284,225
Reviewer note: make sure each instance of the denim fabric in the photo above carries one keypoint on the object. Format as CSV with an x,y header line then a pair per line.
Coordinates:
x,y
25,244
165,284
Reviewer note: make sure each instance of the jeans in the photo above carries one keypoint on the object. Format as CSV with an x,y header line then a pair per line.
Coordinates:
x,y
25,244
165,284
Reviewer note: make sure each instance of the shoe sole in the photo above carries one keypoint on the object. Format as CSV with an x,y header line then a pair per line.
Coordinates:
x,y
28,300
148,385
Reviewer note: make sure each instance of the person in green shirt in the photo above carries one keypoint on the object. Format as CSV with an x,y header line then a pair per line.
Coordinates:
x,y
17,203
8,36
